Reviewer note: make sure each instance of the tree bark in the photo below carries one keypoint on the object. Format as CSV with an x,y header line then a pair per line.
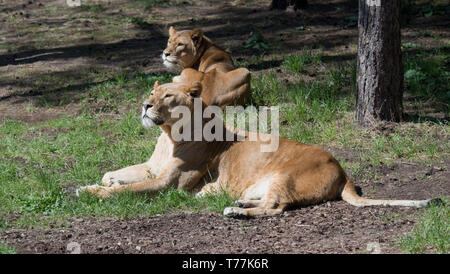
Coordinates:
x,y
379,65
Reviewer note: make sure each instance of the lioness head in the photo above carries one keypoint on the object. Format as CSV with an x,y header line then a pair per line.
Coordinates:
x,y
182,48
157,109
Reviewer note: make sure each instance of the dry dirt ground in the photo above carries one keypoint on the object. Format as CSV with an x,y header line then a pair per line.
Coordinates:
x,y
333,227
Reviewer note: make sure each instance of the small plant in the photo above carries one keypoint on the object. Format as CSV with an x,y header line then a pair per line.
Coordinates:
x,y
256,41
410,45
136,20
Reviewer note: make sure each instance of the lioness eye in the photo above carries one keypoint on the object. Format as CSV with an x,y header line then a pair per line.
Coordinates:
x,y
180,44
167,95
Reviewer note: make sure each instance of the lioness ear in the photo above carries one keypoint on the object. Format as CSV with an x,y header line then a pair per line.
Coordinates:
x,y
156,85
196,36
172,31
195,89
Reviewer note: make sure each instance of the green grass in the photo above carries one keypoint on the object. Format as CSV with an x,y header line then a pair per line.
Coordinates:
x,y
427,75
130,204
432,233
112,89
42,164
5,249
39,171
321,112
297,62
122,87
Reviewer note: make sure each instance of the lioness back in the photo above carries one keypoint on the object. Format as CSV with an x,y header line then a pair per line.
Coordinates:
x,y
221,89
293,174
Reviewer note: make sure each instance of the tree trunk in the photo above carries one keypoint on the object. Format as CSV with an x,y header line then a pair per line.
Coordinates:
x,y
379,66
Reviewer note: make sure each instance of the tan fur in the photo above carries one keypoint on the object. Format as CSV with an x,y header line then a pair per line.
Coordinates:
x,y
221,89
266,182
222,86
191,49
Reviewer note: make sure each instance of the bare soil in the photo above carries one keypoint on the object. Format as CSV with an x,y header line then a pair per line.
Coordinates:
x,y
338,228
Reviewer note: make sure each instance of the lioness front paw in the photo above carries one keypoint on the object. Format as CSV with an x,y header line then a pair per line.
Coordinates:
x,y
100,191
233,212
109,181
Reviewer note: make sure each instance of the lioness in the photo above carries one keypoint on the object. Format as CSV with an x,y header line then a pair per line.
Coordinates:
x,y
266,182
192,49
222,86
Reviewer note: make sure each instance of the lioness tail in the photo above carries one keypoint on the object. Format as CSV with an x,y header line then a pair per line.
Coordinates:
x,y
350,196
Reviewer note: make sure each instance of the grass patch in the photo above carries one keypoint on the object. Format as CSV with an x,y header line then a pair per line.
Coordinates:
x,y
427,77
432,233
297,62
125,87
41,165
130,204
5,249
321,112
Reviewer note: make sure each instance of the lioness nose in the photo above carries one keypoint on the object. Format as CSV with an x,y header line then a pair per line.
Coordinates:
x,y
147,106
166,53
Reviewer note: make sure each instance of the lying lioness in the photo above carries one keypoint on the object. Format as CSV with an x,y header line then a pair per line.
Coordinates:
x,y
266,182
222,86
164,146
